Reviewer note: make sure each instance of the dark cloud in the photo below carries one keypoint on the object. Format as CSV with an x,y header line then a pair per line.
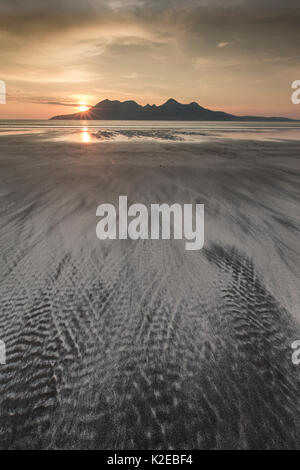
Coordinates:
x,y
253,24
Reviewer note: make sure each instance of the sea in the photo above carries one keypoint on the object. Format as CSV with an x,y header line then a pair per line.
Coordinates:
x,y
179,131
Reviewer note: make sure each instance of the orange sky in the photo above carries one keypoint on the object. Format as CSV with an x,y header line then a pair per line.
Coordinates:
x,y
240,58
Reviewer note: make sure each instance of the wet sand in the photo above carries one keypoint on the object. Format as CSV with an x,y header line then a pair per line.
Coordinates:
x,y
141,344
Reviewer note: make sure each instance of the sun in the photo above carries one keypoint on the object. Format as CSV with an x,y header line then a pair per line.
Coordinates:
x,y
82,108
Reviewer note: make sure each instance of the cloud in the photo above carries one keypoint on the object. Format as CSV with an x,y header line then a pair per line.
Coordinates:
x,y
61,49
224,44
39,100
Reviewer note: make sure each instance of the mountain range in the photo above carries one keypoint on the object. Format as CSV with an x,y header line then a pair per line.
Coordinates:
x,y
171,110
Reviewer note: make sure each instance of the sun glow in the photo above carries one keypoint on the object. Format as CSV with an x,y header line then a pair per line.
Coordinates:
x,y
82,108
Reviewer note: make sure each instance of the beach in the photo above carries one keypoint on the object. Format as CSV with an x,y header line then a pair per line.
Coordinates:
x,y
140,344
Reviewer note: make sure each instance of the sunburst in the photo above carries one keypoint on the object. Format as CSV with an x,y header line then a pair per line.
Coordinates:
x,y
82,108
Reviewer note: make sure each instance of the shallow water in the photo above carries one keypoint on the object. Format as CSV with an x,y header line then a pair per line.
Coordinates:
x,y
122,131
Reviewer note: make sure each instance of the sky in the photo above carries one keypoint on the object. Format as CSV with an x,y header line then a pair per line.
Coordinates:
x,y
238,56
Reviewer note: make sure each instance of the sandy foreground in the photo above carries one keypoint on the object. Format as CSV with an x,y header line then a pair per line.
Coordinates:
x,y
141,344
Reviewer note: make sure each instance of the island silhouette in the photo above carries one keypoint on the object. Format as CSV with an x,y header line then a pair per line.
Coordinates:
x,y
171,110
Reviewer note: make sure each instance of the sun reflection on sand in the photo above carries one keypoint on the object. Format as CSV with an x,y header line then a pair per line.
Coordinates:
x,y
86,138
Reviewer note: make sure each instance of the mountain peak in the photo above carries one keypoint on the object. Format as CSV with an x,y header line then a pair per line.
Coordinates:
x,y
107,102
171,101
131,102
